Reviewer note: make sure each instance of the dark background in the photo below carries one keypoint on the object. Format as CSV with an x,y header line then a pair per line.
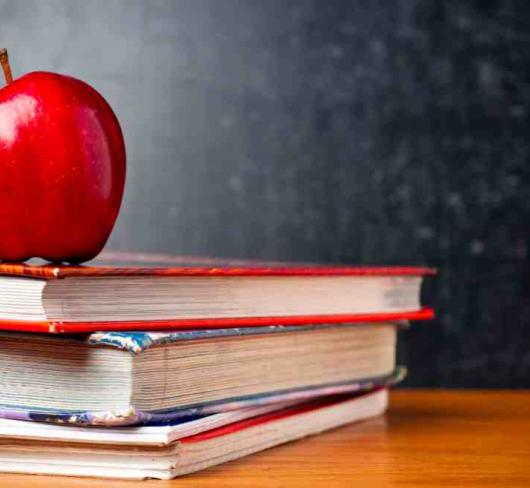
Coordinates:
x,y
371,132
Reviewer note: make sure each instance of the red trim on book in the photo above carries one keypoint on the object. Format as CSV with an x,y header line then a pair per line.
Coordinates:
x,y
271,417
50,271
219,323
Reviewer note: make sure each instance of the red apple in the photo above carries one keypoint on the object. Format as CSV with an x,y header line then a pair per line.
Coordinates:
x,y
62,168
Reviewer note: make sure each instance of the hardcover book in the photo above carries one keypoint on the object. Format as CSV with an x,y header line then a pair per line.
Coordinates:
x,y
175,293
113,378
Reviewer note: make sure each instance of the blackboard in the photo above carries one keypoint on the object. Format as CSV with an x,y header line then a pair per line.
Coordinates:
x,y
366,132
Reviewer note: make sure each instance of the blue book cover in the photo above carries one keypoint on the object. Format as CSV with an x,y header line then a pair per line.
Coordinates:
x,y
137,342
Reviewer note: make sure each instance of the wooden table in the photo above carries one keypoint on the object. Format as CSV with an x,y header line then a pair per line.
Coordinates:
x,y
429,438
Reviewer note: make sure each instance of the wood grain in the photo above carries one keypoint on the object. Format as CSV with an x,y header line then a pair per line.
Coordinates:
x,y
429,438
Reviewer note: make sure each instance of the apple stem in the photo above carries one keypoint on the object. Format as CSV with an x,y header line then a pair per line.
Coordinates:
x,y
4,60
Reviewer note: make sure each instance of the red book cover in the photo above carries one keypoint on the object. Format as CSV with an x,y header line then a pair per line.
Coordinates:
x,y
132,264
240,425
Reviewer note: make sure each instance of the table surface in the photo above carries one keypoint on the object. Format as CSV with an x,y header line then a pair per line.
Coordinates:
x,y
429,438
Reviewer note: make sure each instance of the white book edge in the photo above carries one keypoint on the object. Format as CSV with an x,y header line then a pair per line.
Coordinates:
x,y
160,435
183,457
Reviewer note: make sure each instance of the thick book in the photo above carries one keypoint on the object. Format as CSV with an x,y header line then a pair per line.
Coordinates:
x,y
179,294
113,378
147,457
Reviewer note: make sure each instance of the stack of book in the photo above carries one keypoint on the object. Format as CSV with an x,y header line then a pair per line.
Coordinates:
x,y
135,371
